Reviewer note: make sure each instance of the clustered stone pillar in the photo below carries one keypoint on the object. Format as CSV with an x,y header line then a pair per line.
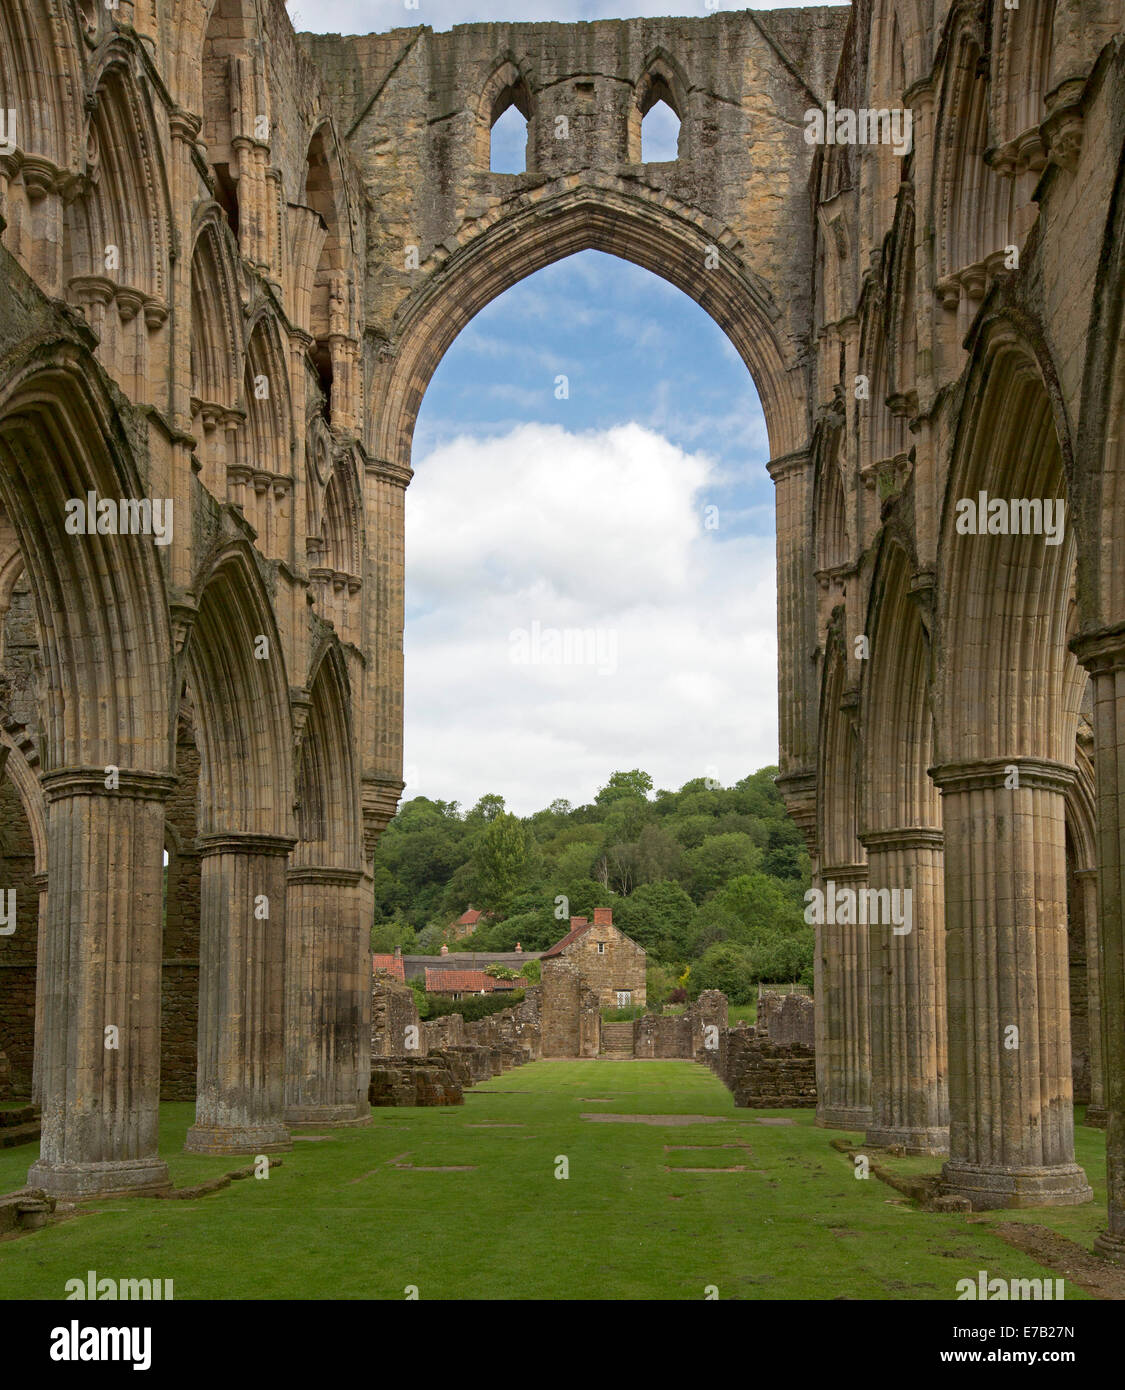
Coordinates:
x,y
328,999
99,1024
909,1095
385,492
796,741
1010,1087
40,882
1103,655
843,1049
240,1092
1088,887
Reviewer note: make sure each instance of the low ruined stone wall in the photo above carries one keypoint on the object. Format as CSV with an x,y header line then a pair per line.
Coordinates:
x,y
414,1081
571,1018
787,1018
660,1035
766,1075
393,1012
520,1026
451,1055
179,1024
683,1035
446,1031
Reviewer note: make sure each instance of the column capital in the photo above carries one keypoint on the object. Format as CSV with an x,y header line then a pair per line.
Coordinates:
x,y
324,873
844,873
91,781
906,837
785,464
1042,774
387,471
1100,650
245,842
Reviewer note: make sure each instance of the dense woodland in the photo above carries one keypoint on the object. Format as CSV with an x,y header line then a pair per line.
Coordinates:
x,y
709,879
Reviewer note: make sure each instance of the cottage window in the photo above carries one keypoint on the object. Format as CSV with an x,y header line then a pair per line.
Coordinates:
x,y
601,948
624,998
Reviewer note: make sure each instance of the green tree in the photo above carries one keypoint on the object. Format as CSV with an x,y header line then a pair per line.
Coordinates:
x,y
429,941
385,936
629,784
726,966
503,859
717,860
661,918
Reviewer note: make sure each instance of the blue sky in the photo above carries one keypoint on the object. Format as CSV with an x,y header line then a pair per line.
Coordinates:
x,y
590,568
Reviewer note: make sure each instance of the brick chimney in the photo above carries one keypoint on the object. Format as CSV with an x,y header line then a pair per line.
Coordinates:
x,y
576,922
603,916
398,953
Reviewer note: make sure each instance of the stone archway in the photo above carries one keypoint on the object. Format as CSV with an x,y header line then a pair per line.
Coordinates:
x,y
106,644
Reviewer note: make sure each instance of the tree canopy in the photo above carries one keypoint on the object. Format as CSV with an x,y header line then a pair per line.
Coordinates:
x,y
710,880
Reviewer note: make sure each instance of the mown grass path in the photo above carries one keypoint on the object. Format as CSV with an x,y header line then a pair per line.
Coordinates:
x,y
358,1214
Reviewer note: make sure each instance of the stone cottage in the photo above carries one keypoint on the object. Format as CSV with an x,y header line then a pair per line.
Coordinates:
x,y
609,962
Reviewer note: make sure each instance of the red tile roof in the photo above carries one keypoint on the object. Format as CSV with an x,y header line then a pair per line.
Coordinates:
x,y
390,965
458,981
560,946
470,918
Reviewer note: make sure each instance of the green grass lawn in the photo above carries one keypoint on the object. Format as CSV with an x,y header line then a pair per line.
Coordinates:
x,y
339,1219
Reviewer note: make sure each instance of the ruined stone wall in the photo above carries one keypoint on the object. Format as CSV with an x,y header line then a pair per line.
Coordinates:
x,y
764,1075
179,979
570,1012
393,1011
787,1018
657,1035
18,950
520,1026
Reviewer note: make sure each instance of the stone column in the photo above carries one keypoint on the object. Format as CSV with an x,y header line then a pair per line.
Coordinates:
x,y
909,1095
1011,1141
1088,887
99,1056
327,999
40,881
240,1091
791,474
843,1047
385,494
1103,655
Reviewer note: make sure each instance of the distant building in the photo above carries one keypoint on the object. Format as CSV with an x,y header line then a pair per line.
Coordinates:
x,y
609,962
457,983
391,966
465,925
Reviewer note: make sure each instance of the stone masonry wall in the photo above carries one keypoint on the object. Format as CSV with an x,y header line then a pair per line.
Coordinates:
x,y
18,951
787,1018
764,1075
571,1012
621,965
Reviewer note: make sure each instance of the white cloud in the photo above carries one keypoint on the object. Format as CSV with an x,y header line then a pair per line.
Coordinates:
x,y
512,541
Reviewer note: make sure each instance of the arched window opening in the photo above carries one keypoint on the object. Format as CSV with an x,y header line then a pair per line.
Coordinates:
x,y
660,125
226,36
226,194
321,356
510,134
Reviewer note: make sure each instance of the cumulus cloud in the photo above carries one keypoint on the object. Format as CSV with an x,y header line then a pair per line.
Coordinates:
x,y
570,612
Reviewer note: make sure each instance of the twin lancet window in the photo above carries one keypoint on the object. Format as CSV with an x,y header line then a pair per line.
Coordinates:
x,y
510,128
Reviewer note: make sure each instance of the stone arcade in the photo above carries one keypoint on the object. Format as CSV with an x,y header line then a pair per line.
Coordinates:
x,y
232,258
